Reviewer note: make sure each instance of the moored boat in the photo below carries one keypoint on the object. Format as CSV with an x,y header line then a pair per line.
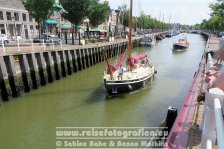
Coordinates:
x,y
148,41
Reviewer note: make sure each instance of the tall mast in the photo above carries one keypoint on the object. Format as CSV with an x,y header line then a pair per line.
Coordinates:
x,y
130,31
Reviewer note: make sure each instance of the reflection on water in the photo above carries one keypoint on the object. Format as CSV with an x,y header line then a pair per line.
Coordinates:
x,y
81,100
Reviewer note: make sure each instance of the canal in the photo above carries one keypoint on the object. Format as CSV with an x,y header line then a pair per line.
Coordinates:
x,y
80,100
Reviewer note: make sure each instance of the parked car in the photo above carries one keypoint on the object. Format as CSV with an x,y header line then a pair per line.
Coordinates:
x,y
47,39
3,38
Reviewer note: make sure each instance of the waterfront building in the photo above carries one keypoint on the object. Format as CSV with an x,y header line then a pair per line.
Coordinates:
x,y
15,20
113,23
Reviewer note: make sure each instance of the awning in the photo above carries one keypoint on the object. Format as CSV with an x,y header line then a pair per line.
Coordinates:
x,y
57,6
70,26
51,21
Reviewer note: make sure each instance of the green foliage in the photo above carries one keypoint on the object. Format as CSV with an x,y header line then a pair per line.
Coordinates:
x,y
124,17
217,8
39,9
99,12
216,22
76,10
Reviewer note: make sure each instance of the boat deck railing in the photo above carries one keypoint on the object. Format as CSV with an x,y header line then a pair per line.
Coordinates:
x,y
213,124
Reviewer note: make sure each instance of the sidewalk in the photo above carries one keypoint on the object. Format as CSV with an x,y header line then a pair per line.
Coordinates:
x,y
40,47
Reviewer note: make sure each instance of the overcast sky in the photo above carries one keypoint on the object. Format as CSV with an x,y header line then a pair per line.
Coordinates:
x,y
182,11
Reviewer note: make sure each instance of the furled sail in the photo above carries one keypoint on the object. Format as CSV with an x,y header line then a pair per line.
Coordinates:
x,y
112,68
132,61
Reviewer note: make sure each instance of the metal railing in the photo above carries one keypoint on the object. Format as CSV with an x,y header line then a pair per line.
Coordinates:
x,y
28,45
212,124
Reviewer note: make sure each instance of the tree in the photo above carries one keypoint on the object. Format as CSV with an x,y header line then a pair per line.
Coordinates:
x,y
99,12
217,8
75,11
124,18
217,15
39,9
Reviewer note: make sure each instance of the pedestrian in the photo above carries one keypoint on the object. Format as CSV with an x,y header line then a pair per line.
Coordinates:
x,y
120,72
215,75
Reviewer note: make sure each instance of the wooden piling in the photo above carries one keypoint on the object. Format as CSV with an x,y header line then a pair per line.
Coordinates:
x,y
83,59
73,54
48,60
3,73
9,62
39,59
55,61
24,67
62,59
79,59
67,57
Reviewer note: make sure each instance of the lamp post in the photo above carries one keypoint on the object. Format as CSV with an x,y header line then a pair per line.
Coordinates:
x,y
86,21
110,29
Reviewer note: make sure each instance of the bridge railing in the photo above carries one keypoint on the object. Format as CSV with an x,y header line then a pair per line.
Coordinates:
x,y
213,124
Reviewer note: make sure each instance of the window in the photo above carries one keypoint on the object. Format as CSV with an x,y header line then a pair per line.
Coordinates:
x,y
8,15
24,17
16,15
2,29
30,18
1,15
31,30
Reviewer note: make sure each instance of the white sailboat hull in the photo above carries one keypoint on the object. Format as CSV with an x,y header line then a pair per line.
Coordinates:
x,y
130,82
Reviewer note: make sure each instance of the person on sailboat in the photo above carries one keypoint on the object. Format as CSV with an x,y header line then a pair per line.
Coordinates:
x,y
120,72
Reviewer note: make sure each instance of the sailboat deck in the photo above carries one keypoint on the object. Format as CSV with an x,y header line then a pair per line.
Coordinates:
x,y
138,73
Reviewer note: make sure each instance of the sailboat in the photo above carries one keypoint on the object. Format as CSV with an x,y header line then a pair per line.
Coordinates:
x,y
137,73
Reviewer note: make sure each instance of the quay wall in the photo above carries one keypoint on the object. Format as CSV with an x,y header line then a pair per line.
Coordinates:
x,y
43,67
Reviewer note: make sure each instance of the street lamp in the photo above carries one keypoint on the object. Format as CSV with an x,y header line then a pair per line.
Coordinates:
x,y
86,21
109,28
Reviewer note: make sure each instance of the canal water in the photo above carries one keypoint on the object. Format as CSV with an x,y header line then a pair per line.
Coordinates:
x,y
80,100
